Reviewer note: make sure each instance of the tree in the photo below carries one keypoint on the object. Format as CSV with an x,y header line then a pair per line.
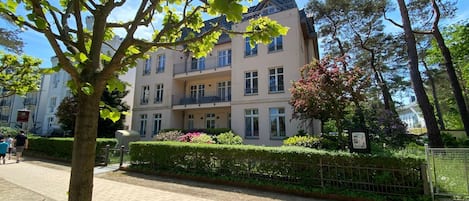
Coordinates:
x,y
9,38
18,75
78,51
422,98
324,91
67,114
432,8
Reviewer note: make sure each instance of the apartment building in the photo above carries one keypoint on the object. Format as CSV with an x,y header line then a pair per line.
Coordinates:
x,y
235,86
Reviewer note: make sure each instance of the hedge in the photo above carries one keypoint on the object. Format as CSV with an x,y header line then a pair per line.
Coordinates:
x,y
61,148
292,166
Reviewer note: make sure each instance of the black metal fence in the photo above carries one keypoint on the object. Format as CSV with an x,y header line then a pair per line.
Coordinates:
x,y
114,156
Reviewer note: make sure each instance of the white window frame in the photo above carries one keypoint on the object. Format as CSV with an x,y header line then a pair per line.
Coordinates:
x,y
198,64
159,90
248,50
250,79
224,90
52,104
145,95
147,66
276,44
161,63
251,117
157,120
224,57
210,120
190,121
277,116
143,125
276,80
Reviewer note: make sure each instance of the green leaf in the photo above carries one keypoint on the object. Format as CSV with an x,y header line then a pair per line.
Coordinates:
x,y
104,113
114,116
87,89
81,57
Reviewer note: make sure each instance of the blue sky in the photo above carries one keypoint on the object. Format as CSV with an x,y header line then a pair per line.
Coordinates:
x,y
37,46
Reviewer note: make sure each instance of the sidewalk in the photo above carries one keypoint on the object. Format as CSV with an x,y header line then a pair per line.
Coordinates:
x,y
36,180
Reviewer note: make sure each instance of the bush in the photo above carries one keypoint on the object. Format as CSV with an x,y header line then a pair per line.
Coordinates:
x,y
61,148
188,137
202,139
9,131
303,141
229,138
170,135
282,167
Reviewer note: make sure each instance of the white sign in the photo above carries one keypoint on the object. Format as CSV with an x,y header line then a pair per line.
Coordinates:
x,y
359,140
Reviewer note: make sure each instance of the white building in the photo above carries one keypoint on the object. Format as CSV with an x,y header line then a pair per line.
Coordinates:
x,y
234,86
412,115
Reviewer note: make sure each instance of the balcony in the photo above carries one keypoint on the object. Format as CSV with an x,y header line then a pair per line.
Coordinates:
x,y
202,67
30,101
4,117
206,101
5,102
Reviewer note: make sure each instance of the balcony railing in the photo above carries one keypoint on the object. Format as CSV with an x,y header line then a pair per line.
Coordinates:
x,y
30,101
201,65
207,98
4,117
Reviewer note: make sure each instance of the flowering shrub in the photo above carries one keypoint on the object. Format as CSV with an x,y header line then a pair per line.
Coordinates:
x,y
188,137
168,136
202,139
229,138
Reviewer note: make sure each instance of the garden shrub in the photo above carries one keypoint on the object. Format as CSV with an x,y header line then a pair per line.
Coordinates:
x,y
9,131
189,136
170,135
202,138
61,148
296,167
229,138
304,141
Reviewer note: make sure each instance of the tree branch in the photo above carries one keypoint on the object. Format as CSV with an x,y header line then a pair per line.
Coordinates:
x,y
400,26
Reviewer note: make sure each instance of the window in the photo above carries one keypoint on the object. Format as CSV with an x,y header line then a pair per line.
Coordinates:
x,y
251,121
224,91
197,92
250,86
143,125
276,44
55,80
277,122
53,103
224,57
276,80
158,93
147,66
145,95
249,51
161,63
190,122
156,124
210,120
50,122
198,64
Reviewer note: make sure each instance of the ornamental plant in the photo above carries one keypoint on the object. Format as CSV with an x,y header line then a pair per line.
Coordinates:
x,y
229,138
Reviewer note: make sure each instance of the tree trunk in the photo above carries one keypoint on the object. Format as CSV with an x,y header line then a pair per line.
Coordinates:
x,y
435,97
457,91
84,148
422,99
387,98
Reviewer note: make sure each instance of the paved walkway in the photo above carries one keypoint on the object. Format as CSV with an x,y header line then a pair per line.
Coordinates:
x,y
29,180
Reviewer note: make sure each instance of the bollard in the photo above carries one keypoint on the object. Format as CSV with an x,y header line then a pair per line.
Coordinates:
x,y
121,156
106,155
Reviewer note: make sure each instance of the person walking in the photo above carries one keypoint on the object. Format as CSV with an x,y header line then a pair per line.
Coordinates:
x,y
3,149
9,140
21,143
